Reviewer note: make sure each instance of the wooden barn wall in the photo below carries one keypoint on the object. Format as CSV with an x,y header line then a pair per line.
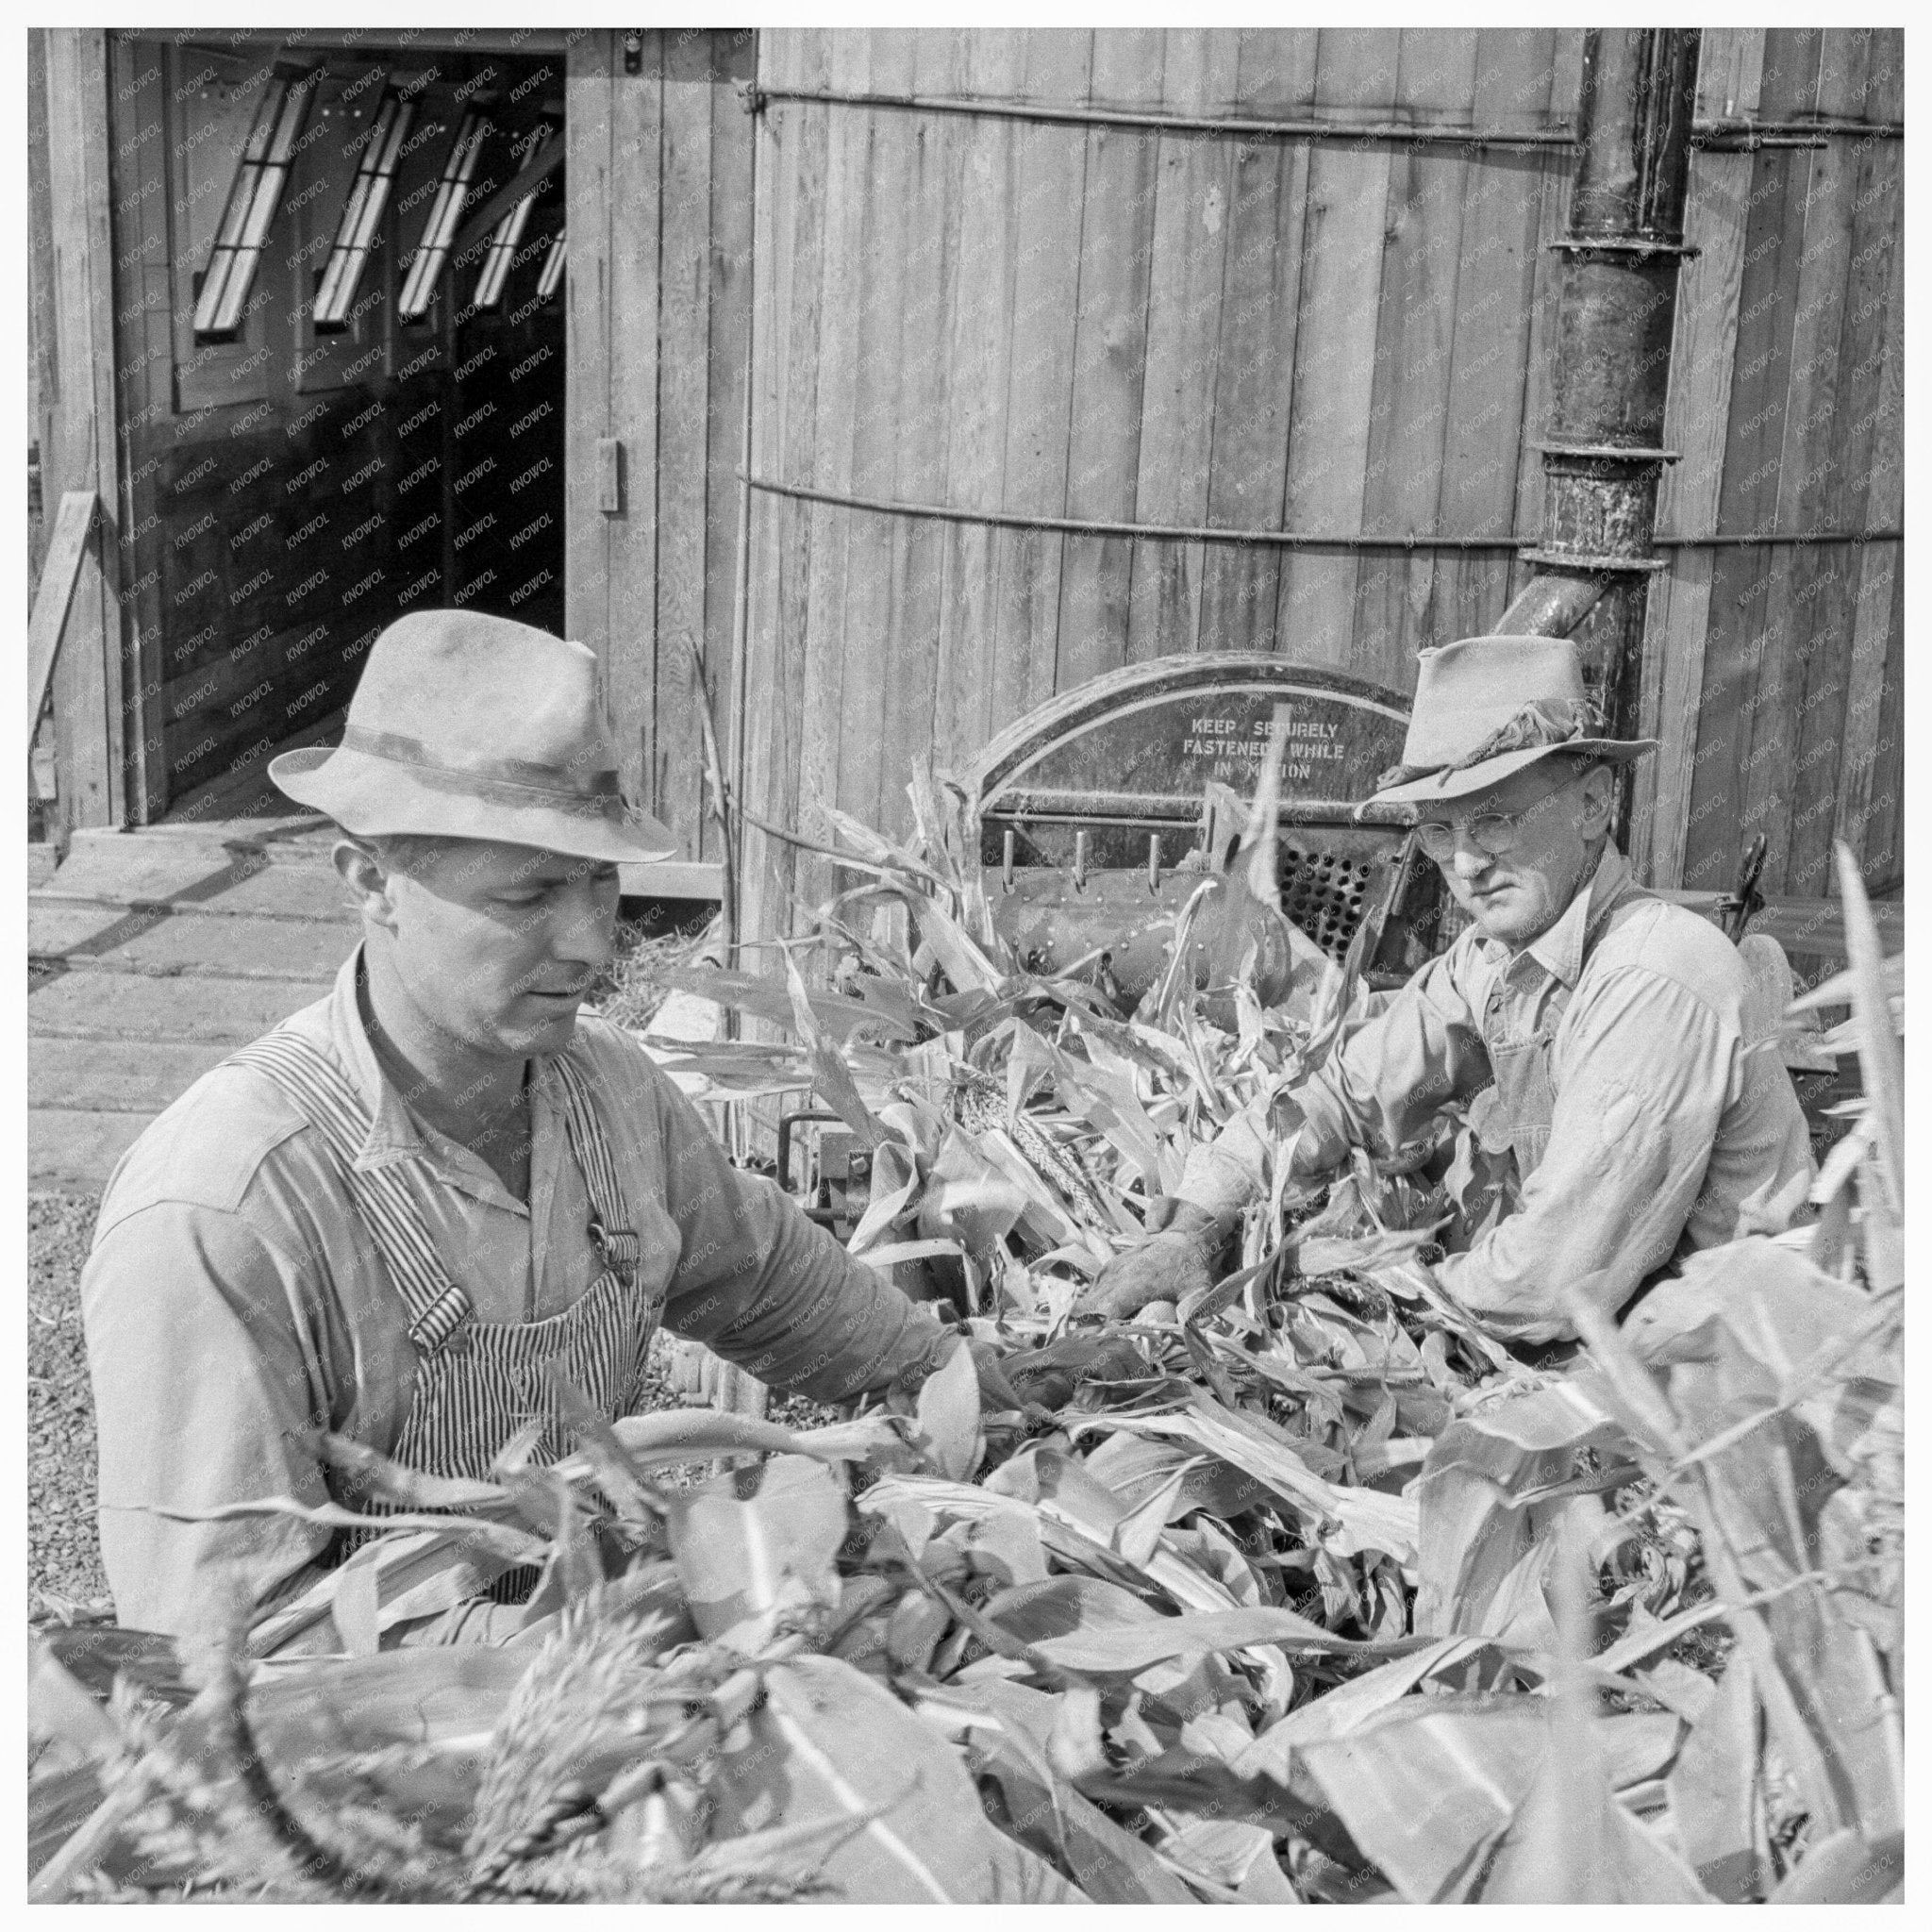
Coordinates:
x,y
289,493
1777,667
1134,325
659,303
69,281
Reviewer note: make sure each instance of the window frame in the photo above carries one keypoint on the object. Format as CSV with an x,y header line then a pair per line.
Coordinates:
x,y
499,257
262,170
360,225
430,257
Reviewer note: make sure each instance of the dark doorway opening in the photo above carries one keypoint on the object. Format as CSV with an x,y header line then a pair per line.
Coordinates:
x,y
340,341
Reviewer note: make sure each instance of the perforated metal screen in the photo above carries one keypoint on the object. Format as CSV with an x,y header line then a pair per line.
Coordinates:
x,y
1323,892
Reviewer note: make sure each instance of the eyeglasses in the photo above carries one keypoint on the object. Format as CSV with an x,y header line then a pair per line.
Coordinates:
x,y
1495,832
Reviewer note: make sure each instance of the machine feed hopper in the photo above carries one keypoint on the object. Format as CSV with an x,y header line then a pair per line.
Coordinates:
x,y
1099,817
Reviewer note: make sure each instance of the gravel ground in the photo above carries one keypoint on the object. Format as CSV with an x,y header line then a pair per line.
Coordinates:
x,y
63,1552
63,1549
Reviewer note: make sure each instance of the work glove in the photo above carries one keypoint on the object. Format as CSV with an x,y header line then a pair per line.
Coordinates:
x,y
996,1394
1167,1264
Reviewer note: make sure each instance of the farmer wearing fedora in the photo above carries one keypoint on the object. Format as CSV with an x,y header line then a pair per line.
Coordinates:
x,y
1598,1042
412,1210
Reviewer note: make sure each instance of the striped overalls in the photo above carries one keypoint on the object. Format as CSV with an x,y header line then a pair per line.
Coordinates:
x,y
478,1383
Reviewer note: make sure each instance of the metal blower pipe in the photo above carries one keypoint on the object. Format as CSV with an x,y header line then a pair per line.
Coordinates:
x,y
1611,354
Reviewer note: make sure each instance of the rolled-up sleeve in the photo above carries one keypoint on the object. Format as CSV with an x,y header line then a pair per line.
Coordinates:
x,y
1393,1076
762,1286
1651,1068
1380,1088
202,1394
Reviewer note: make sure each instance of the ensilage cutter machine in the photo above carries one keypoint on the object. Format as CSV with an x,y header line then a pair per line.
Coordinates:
x,y
1098,816
1099,821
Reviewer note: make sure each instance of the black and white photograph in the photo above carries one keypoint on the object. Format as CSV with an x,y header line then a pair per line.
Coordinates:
x,y
965,963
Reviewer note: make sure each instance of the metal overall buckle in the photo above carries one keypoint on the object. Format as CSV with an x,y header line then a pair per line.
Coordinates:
x,y
619,1246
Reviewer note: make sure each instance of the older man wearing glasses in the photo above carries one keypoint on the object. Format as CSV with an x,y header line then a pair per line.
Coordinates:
x,y
1600,1045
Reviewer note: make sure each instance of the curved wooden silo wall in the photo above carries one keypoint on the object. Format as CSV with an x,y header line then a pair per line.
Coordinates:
x,y
1777,665
1173,328
1010,317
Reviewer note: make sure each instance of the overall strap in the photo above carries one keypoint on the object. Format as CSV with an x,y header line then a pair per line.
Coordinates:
x,y
327,1100
611,1230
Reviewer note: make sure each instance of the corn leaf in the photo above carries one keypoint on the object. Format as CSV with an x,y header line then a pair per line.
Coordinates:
x,y
1132,1648
949,1415
1717,1801
1848,1868
749,1560
1482,1549
831,1743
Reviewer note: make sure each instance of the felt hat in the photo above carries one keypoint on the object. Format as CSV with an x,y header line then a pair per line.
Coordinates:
x,y
470,727
1487,708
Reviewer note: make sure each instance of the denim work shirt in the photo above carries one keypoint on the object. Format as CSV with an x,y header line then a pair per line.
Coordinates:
x,y
234,1301
1612,1056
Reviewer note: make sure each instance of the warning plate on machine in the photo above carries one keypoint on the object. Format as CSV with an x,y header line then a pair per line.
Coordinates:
x,y
1162,739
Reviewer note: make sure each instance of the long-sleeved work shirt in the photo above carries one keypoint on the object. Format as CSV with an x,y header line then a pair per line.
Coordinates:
x,y
233,1299
1671,1126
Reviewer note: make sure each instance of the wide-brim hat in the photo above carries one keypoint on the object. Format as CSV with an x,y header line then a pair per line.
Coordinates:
x,y
1488,708
469,726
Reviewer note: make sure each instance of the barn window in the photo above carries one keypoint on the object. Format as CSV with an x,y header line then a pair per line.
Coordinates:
x,y
369,193
551,279
253,197
501,255
432,252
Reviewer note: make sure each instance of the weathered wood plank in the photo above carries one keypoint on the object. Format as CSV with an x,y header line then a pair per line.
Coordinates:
x,y
857,341
1494,301
1872,765
908,664
112,938
115,1075
980,63
1799,582
1276,78
588,321
82,451
128,1005
1843,313
1415,332
1050,170
1883,854
846,394
635,645
1254,393
684,430
732,280
1335,350
70,1152
1553,216
1110,361
74,529
1745,732
142,275
1703,357
1187,330
797,179
211,877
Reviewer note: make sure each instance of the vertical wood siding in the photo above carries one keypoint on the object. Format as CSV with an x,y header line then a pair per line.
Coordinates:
x,y
1139,326
659,219
1778,664
1128,325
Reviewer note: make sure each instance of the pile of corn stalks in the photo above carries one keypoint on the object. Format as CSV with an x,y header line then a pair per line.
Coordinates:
x,y
1302,1589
